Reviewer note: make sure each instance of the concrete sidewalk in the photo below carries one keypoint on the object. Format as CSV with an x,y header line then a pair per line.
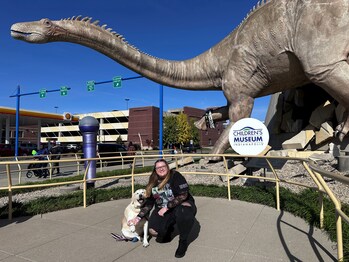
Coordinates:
x,y
224,231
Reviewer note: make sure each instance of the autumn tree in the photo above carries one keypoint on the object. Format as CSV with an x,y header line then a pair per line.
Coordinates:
x,y
170,130
184,130
194,132
179,130
119,140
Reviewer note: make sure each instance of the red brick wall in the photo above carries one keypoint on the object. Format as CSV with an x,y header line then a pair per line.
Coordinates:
x,y
144,120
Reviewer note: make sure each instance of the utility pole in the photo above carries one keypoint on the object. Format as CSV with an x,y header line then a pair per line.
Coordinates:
x,y
161,102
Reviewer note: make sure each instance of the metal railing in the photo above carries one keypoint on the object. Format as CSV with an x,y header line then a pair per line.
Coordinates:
x,y
22,165
176,160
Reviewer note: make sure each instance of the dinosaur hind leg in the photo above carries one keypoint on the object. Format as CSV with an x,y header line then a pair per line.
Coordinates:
x,y
221,144
336,84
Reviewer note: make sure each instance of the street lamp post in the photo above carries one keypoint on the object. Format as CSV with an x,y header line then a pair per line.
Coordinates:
x,y
56,107
127,99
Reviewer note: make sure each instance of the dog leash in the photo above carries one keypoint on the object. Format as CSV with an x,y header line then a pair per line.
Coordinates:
x,y
118,237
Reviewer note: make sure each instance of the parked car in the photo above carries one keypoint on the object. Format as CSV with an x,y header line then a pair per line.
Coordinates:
x,y
107,150
72,148
190,148
27,148
9,150
110,150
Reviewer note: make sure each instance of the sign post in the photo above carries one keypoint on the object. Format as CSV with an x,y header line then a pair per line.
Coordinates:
x,y
64,90
117,82
42,93
90,85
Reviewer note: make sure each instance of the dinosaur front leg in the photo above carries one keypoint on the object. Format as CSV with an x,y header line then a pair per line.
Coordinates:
x,y
240,107
218,114
343,128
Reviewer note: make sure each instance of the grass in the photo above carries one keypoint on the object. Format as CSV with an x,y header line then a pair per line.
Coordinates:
x,y
304,204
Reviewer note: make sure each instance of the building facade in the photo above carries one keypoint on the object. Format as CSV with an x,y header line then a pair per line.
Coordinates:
x,y
137,125
207,137
143,128
113,125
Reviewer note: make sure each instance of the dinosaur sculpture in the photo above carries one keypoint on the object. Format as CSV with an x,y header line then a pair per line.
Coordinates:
x,y
281,44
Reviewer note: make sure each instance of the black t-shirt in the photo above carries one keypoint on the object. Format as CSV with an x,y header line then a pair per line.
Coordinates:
x,y
172,194
176,185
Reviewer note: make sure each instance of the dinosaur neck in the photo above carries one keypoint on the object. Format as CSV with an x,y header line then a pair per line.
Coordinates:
x,y
192,74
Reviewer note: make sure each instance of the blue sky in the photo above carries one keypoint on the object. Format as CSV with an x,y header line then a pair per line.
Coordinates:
x,y
167,29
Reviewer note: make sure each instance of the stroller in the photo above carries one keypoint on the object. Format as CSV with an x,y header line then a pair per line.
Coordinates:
x,y
37,169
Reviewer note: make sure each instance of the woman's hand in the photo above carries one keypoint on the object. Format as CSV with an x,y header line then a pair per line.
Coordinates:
x,y
162,211
133,221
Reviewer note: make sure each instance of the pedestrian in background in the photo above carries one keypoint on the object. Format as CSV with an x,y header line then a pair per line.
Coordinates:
x,y
55,152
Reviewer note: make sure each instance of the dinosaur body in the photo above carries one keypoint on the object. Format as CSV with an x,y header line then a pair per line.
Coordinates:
x,y
281,44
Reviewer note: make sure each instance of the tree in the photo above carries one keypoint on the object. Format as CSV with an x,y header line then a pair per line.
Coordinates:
x,y
170,130
194,132
183,127
119,140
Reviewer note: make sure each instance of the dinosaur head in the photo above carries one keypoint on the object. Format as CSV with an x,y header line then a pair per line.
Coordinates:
x,y
37,32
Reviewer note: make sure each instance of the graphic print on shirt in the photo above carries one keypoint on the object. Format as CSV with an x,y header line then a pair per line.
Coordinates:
x,y
163,196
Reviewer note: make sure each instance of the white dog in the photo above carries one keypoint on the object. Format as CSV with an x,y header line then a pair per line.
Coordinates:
x,y
140,231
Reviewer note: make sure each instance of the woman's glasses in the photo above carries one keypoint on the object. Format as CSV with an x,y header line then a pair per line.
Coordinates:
x,y
160,167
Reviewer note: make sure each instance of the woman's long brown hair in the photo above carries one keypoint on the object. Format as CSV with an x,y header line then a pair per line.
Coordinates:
x,y
154,178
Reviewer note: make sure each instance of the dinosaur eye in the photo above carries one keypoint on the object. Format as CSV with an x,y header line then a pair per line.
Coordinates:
x,y
46,22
